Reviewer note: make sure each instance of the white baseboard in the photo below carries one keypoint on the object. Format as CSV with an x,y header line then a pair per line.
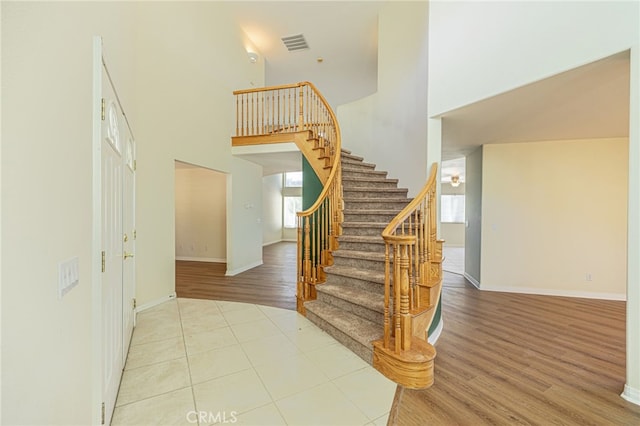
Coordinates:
x,y
151,304
632,395
436,333
289,240
201,259
231,273
271,242
558,292
472,280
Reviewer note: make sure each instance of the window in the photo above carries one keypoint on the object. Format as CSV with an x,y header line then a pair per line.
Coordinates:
x,y
293,179
452,208
291,198
292,205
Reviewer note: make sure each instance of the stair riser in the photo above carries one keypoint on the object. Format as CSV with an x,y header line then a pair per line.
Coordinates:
x,y
360,246
355,282
375,205
372,193
366,264
351,164
361,311
361,216
377,184
362,173
364,231
364,352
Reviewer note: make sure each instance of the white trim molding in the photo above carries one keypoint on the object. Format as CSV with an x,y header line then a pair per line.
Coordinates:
x,y
153,303
472,280
555,292
630,394
201,259
231,273
437,332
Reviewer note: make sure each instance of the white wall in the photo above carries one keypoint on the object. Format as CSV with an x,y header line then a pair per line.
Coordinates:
x,y
189,58
47,200
244,216
272,208
480,49
552,213
394,119
175,66
473,216
201,210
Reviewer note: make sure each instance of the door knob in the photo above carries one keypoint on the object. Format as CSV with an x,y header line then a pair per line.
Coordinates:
x,y
127,254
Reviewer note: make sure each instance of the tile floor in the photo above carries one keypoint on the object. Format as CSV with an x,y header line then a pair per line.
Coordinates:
x,y
244,364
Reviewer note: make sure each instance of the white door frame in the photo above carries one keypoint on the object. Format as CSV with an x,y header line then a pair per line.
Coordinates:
x,y
97,388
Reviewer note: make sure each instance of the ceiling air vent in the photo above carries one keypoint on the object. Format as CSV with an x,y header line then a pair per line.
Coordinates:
x,y
295,42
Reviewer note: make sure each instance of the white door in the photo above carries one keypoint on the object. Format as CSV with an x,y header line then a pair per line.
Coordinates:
x,y
128,242
112,175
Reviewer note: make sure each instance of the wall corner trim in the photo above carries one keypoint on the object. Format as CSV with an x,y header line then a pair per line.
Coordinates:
x,y
472,280
232,272
156,302
630,394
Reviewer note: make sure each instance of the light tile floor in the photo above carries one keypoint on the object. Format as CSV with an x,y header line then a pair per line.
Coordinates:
x,y
210,362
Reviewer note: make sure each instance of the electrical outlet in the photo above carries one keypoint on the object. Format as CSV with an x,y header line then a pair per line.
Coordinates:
x,y
68,276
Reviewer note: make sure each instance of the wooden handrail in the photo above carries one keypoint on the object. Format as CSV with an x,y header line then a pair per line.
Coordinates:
x,y
296,108
413,270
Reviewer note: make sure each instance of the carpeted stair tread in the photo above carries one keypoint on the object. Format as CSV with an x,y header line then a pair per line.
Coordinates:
x,y
351,272
346,179
368,299
354,254
358,328
372,211
361,239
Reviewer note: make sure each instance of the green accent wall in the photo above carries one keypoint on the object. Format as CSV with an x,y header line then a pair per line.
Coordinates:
x,y
311,185
436,318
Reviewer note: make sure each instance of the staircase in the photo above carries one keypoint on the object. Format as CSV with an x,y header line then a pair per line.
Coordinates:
x,y
369,264
350,304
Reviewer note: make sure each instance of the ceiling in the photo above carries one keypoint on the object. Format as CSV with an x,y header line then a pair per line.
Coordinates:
x,y
343,34
591,101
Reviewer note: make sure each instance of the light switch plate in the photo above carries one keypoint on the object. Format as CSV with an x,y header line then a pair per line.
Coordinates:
x,y
68,276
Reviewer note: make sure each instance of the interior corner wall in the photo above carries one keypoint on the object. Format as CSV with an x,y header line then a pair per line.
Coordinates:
x,y
47,98
470,41
272,209
473,216
190,57
201,209
244,199
554,217
389,128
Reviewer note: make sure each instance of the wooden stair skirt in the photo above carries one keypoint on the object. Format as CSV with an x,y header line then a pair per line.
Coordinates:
x,y
412,369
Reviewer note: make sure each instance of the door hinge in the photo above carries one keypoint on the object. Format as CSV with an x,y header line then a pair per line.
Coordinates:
x,y
102,110
135,165
103,261
135,303
103,415
134,234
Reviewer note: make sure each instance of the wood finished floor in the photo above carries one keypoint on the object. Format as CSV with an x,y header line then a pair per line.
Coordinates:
x,y
273,283
507,359
503,359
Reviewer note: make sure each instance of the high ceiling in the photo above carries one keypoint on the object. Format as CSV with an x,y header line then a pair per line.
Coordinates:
x,y
343,34
587,102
